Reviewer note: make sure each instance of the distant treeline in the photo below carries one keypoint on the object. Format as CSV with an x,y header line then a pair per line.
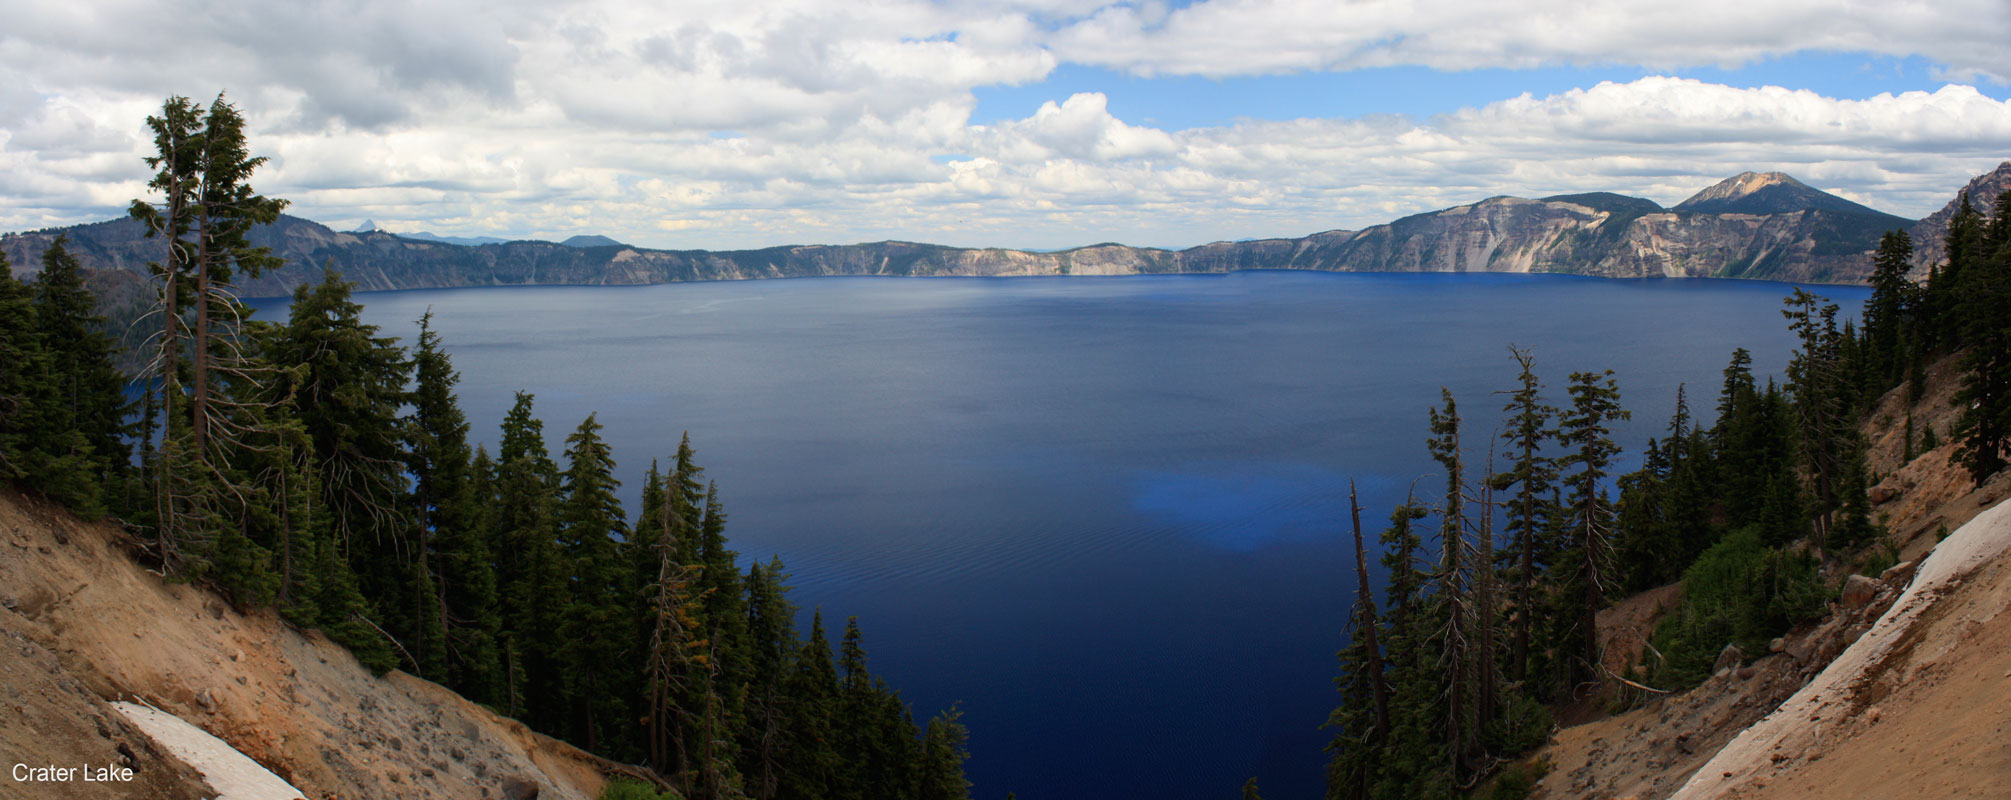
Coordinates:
x,y
320,468
1456,670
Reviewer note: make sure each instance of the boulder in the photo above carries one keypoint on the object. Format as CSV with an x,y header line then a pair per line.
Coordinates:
x,y
1897,574
1728,659
518,788
1858,590
1882,494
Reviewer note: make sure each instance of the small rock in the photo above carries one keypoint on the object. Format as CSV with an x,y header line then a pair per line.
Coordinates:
x,y
1872,714
1897,574
456,754
207,702
1986,498
1883,494
240,680
1778,645
1746,672
9,601
1857,591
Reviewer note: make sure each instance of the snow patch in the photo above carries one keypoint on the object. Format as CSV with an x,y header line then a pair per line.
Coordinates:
x,y
231,773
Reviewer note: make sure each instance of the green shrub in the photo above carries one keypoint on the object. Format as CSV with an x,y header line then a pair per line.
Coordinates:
x,y
1516,782
1738,592
1523,725
625,789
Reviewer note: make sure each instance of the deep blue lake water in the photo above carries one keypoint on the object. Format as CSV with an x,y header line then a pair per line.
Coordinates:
x,y
1103,515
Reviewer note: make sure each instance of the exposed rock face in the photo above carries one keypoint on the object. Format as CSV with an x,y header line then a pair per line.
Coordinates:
x,y
1765,226
1770,193
1930,247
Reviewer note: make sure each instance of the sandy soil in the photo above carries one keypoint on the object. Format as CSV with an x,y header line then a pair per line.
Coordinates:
x,y
47,717
294,702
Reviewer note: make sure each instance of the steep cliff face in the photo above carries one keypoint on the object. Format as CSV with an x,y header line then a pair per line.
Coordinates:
x,y
1929,235
1766,226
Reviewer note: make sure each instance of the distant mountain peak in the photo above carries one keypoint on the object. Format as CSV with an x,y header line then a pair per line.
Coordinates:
x,y
1771,193
591,240
368,226
1741,185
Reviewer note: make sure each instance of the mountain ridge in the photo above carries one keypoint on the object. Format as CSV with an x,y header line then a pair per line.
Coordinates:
x,y
1598,234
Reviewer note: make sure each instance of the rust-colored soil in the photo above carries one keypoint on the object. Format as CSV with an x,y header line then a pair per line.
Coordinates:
x,y
83,622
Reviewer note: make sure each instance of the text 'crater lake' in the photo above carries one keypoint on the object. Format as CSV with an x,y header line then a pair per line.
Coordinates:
x,y
1103,516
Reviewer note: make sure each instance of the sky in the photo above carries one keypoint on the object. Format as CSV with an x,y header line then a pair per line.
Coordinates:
x,y
735,124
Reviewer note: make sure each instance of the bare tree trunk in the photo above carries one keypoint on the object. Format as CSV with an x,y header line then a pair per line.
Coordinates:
x,y
200,429
1483,604
1525,580
1593,597
1378,681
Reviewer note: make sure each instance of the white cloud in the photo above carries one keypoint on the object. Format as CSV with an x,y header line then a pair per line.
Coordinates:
x,y
1245,37
724,124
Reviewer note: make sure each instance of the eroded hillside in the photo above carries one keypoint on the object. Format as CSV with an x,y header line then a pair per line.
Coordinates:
x,y
83,623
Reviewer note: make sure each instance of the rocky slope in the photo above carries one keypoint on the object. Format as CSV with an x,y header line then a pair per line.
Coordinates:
x,y
1928,247
1751,226
82,623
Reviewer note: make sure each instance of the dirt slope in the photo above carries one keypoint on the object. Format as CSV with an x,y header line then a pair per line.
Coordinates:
x,y
1917,707
82,623
1651,751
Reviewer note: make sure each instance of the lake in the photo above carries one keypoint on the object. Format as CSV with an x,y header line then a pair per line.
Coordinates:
x,y
1104,516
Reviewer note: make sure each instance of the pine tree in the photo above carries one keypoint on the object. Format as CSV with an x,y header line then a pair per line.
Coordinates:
x,y
771,637
1587,441
530,578
1530,478
591,521
178,143
452,547
1983,429
1362,720
941,771
1822,402
1886,326
813,720
725,607
89,407
1454,585
21,352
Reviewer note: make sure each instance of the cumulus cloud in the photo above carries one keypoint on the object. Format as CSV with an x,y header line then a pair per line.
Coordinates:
x,y
723,124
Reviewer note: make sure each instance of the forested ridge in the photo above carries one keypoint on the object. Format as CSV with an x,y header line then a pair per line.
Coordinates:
x,y
320,467
1481,634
